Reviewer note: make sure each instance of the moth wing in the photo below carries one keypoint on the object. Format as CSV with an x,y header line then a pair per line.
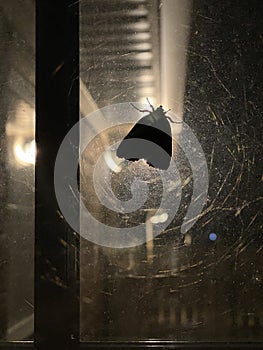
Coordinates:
x,y
149,139
138,131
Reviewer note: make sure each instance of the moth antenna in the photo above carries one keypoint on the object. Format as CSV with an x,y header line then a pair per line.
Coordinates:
x,y
150,104
172,121
138,109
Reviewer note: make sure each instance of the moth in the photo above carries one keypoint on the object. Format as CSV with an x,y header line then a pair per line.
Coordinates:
x,y
149,139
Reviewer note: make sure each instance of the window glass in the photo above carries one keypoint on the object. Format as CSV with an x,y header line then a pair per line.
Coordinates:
x,y
17,159
199,278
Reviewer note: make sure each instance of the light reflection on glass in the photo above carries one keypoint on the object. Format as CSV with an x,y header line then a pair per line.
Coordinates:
x,y
25,153
17,159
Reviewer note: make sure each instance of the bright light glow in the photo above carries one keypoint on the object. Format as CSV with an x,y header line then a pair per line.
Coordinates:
x,y
157,219
143,56
187,239
138,12
140,46
146,78
139,36
139,26
25,153
112,164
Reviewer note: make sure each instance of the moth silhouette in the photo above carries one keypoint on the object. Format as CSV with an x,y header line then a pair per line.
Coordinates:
x,y
150,139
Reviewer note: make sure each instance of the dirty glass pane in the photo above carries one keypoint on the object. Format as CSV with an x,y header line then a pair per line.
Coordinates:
x,y
200,278
17,158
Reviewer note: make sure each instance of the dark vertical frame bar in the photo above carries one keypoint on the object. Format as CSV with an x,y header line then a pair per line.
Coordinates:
x,y
4,53
57,110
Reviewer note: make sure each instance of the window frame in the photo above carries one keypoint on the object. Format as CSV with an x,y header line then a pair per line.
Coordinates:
x,y
57,110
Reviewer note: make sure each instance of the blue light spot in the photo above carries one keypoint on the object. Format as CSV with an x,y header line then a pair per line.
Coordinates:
x,y
213,236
